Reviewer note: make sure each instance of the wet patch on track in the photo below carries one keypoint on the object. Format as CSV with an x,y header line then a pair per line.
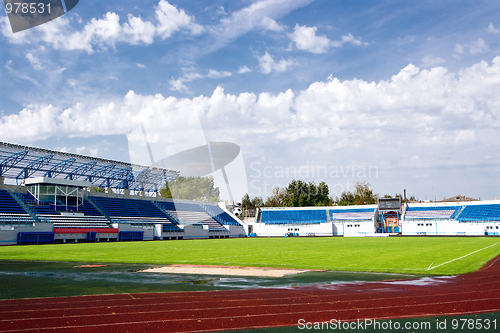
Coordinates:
x,y
25,279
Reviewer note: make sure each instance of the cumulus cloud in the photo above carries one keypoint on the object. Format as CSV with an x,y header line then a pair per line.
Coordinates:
x,y
106,31
305,38
435,108
172,19
244,69
268,65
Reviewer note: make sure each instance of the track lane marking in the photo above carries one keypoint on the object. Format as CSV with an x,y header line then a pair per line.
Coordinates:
x,y
259,306
257,315
336,296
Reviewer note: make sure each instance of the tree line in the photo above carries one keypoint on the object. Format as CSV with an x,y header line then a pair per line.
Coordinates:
x,y
303,194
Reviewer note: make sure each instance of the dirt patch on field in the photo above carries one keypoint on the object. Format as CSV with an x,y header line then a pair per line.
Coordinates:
x,y
225,270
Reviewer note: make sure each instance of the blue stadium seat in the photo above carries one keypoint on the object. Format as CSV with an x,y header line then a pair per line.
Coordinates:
x,y
490,212
299,216
9,205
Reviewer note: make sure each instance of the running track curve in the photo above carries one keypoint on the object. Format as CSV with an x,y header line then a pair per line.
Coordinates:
x,y
211,311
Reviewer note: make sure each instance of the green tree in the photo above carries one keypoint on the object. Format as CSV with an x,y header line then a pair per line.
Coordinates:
x,y
363,195
246,203
192,188
257,202
301,194
277,198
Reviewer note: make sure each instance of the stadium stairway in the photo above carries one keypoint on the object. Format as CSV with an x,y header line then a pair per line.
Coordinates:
x,y
220,215
187,213
28,209
12,212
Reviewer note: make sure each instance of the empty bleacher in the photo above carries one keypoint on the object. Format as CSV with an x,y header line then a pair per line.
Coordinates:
x,y
131,211
88,216
79,221
187,213
352,214
489,212
436,212
40,209
220,215
11,212
295,216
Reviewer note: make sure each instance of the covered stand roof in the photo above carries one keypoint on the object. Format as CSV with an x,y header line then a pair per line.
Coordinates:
x,y
21,162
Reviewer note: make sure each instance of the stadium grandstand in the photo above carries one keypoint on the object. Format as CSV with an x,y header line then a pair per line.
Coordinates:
x,y
55,197
388,217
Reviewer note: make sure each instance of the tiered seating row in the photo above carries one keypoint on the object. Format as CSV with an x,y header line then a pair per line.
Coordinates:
x,y
439,212
9,205
480,213
224,217
278,216
190,213
128,207
62,221
39,209
15,219
352,214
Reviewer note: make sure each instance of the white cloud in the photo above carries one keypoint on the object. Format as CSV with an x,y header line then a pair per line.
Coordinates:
x,y
492,29
244,69
479,46
213,74
34,61
267,64
270,24
350,39
221,10
259,15
433,108
449,120
172,19
178,84
305,38
140,65
106,31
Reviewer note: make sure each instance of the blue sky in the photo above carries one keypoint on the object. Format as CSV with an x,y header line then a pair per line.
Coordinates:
x,y
400,94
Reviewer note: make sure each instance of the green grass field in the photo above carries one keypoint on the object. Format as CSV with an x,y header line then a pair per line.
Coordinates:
x,y
411,255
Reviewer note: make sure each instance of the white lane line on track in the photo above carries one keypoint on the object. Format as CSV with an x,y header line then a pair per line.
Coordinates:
x,y
461,257
377,318
323,301
249,307
250,316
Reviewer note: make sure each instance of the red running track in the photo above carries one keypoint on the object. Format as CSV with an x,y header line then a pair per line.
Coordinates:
x,y
210,311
